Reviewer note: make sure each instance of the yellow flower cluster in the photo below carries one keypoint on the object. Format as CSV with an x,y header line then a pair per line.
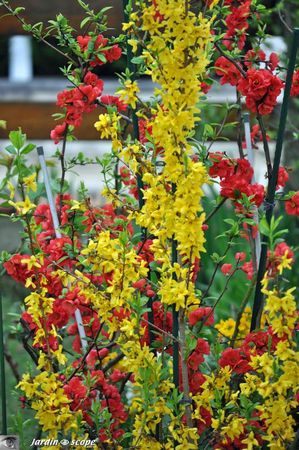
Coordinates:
x,y
176,57
105,255
276,375
128,93
280,310
39,306
227,327
108,127
271,384
45,391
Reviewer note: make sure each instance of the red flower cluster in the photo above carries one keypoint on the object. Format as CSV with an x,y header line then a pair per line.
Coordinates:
x,y
82,98
295,84
203,314
255,343
229,72
254,58
235,359
247,268
226,269
197,356
261,89
81,399
113,100
77,101
144,287
97,50
292,205
236,23
129,181
283,177
235,179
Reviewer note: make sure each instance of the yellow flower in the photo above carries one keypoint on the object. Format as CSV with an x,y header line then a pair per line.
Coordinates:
x,y
23,207
108,127
30,182
226,327
285,263
127,26
32,262
128,93
250,441
134,44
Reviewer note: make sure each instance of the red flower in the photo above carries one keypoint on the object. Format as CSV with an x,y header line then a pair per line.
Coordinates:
x,y
281,249
273,61
261,89
59,316
196,380
257,191
295,84
233,358
205,87
58,133
292,205
93,80
113,54
83,42
283,177
228,72
204,314
248,269
226,269
114,100
256,83
196,357
240,256
252,57
16,269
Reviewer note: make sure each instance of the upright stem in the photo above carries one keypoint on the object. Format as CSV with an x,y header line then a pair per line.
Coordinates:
x,y
258,298
175,323
265,144
2,371
132,69
185,380
63,170
239,126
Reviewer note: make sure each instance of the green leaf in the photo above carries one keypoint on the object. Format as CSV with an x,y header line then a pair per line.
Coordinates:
x,y
264,227
102,57
137,60
85,21
27,149
11,149
17,138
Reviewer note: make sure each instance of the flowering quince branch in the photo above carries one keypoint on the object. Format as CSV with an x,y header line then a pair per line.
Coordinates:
x,y
164,368
35,30
258,299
